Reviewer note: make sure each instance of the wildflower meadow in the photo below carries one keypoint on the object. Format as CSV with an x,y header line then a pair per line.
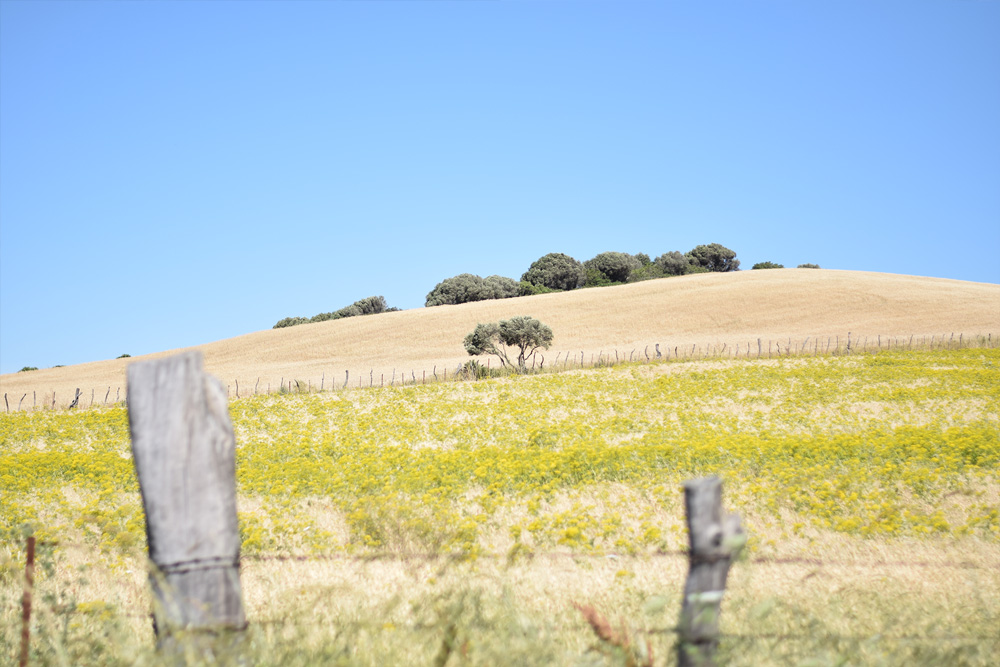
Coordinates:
x,y
376,523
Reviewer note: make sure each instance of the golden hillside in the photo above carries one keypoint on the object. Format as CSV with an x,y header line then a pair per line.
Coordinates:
x,y
704,310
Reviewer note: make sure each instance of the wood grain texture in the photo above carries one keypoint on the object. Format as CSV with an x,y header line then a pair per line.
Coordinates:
x,y
185,459
715,540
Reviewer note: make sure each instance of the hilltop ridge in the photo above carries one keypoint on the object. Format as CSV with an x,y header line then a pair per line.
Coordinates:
x,y
703,309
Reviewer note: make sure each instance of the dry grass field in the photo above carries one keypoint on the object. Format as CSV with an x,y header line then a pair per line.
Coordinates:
x,y
705,310
457,523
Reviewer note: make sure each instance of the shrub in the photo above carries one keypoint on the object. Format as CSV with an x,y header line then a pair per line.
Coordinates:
x,y
610,267
473,370
556,271
289,322
468,287
597,279
808,266
500,287
528,289
714,257
124,356
649,271
371,305
462,288
28,368
767,265
673,263
525,333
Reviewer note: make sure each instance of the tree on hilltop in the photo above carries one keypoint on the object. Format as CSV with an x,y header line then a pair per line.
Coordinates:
x,y
556,271
714,257
468,287
615,267
673,263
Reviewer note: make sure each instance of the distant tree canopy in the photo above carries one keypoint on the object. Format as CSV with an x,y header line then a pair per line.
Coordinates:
x,y
714,257
556,271
767,265
808,266
673,263
467,287
371,305
525,334
611,267
290,322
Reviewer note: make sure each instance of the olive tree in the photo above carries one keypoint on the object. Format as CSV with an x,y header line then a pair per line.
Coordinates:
x,y
500,287
463,288
524,334
468,287
714,257
556,271
616,267
673,263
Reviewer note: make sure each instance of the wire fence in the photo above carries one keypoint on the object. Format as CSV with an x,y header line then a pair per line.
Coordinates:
x,y
72,609
528,554
346,379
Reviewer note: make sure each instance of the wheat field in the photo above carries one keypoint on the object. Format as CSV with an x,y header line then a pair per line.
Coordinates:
x,y
697,310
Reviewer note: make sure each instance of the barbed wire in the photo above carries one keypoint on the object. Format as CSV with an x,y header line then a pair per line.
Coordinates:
x,y
528,554
392,626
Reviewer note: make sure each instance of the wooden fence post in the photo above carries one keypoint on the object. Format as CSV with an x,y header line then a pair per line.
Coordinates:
x,y
185,459
29,584
715,540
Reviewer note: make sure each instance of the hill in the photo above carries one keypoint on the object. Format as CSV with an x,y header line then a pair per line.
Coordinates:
x,y
702,309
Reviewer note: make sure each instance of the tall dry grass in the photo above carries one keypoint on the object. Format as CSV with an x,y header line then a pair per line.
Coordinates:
x,y
704,309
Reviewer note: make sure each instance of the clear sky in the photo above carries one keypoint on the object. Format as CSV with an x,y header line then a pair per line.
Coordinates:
x,y
174,173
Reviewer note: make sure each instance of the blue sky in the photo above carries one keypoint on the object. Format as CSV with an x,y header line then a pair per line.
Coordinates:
x,y
174,173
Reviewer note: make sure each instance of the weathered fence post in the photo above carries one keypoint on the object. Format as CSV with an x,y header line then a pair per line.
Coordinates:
x,y
715,541
185,459
29,585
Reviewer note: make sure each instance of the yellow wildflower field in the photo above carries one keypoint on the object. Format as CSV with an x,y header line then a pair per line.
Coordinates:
x,y
845,457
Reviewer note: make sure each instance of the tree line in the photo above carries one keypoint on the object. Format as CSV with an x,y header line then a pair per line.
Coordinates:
x,y
371,305
558,272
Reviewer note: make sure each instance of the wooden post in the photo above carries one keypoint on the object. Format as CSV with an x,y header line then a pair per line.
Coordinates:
x,y
185,460
715,540
29,585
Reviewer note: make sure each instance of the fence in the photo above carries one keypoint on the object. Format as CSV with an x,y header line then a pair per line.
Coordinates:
x,y
184,453
564,360
67,611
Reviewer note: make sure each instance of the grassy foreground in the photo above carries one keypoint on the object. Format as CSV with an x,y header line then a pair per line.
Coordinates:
x,y
459,522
